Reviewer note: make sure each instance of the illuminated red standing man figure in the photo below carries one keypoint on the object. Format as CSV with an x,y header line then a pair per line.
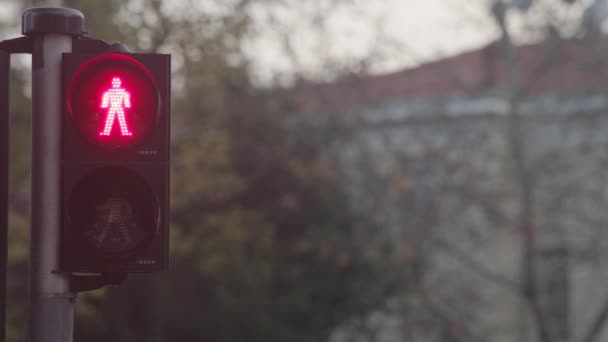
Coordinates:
x,y
116,99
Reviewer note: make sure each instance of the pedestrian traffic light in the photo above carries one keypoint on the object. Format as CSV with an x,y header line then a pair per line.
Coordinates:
x,y
115,162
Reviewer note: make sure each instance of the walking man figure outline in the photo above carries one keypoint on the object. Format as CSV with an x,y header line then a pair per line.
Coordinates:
x,y
115,212
116,99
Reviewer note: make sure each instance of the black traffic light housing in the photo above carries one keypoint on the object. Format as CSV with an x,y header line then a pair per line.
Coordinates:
x,y
115,162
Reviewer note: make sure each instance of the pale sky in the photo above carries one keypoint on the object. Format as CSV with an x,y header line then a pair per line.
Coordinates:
x,y
410,32
395,33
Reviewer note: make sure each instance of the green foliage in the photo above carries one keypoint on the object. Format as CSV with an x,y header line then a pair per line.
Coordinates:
x,y
19,208
272,255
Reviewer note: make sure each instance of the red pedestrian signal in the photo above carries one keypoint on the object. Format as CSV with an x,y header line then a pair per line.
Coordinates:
x,y
115,162
113,100
116,99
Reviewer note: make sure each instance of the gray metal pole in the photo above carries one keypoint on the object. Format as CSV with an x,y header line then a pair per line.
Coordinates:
x,y
51,308
15,45
51,311
5,67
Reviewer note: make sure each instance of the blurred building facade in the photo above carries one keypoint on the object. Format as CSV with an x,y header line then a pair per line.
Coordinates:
x,y
432,153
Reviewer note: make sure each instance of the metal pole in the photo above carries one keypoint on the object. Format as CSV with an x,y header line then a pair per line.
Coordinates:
x,y
51,303
5,65
51,311
16,45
